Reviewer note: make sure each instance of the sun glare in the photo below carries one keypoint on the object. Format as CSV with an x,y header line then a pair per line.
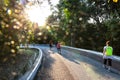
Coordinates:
x,y
39,14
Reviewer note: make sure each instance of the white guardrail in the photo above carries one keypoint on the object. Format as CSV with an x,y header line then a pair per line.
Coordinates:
x,y
92,52
98,56
30,74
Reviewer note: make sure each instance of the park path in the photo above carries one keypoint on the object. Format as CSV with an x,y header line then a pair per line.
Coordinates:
x,y
71,66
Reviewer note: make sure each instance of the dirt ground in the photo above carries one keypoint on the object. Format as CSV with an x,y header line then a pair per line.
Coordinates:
x,y
14,65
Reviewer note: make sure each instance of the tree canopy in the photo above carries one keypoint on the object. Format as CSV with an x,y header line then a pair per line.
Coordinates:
x,y
88,23
80,23
14,27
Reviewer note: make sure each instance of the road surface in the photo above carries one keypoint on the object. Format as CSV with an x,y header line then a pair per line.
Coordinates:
x,y
71,66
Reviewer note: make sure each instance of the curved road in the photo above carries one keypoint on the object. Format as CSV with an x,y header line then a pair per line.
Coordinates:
x,y
71,66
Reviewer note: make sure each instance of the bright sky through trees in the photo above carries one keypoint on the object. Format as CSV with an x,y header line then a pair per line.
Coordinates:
x,y
39,13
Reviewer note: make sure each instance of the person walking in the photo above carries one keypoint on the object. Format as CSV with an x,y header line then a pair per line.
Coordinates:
x,y
50,44
58,47
107,56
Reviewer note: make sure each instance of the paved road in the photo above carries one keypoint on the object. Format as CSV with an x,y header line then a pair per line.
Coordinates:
x,y
72,66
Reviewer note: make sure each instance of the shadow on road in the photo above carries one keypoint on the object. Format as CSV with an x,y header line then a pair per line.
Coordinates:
x,y
44,70
92,66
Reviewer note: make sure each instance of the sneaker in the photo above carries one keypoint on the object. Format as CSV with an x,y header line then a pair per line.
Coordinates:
x,y
104,66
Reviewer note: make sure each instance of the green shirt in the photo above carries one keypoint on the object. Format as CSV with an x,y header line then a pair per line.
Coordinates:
x,y
109,51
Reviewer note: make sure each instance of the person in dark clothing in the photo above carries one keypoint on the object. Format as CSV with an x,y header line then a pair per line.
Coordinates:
x,y
50,44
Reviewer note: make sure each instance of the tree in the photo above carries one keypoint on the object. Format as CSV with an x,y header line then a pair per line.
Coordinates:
x,y
88,23
12,25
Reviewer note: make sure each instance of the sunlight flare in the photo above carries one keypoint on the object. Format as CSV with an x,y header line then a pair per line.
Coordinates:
x,y
37,15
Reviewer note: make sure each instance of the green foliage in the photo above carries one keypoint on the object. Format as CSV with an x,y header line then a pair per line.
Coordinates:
x,y
6,2
12,26
88,23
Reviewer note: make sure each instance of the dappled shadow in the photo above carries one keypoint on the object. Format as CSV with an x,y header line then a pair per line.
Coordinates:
x,y
65,54
93,66
69,56
44,71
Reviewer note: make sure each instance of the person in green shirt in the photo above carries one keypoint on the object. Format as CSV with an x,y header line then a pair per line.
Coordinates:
x,y
107,55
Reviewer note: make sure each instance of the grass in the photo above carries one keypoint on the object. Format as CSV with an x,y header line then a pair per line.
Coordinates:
x,y
12,66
